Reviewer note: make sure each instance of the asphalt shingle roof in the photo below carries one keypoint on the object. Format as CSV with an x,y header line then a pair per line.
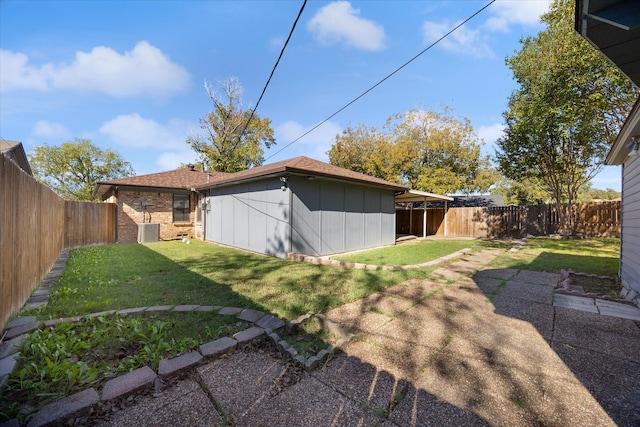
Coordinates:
x,y
305,166
185,179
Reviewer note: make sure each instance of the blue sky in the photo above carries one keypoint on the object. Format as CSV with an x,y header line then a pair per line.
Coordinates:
x,y
129,75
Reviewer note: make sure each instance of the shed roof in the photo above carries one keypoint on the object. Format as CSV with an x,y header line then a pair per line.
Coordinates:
x,y
15,151
421,196
301,166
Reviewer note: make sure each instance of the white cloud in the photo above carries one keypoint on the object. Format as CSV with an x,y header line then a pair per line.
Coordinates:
x,y
314,145
132,130
45,129
16,74
339,22
143,71
170,160
475,41
491,133
463,40
507,13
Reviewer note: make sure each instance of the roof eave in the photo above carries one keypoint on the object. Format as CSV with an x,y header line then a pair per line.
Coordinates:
x,y
421,196
631,127
299,172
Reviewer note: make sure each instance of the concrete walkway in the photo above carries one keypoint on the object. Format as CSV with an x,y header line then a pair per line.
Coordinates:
x,y
470,346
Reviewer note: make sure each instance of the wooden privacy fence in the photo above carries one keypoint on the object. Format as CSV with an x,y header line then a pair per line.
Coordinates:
x,y
35,226
586,219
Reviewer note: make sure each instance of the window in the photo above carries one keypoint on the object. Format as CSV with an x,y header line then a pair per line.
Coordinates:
x,y
199,208
180,208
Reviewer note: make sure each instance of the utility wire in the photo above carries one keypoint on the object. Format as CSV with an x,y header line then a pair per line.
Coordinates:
x,y
381,81
274,68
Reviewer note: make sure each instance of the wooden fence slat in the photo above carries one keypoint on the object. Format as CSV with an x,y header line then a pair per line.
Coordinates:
x,y
586,219
35,226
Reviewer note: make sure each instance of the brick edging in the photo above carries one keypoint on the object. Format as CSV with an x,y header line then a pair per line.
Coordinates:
x,y
323,260
144,377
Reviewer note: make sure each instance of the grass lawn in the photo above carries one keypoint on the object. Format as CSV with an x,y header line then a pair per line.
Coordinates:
x,y
132,275
417,252
593,256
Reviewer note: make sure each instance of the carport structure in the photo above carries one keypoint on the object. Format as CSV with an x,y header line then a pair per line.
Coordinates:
x,y
413,196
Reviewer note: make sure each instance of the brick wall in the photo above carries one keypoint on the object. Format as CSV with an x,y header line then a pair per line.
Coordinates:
x,y
138,207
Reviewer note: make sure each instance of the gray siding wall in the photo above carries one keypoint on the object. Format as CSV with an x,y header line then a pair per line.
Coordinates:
x,y
330,217
630,251
253,216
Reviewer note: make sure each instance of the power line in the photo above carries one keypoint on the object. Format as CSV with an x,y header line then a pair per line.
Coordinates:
x,y
384,79
274,68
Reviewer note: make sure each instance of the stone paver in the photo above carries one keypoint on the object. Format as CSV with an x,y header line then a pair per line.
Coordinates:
x,y
250,315
134,310
185,404
420,408
21,329
186,307
575,303
238,381
270,322
248,334
446,274
362,382
293,407
618,309
128,383
608,335
20,321
539,277
11,346
54,413
217,347
527,291
229,310
496,273
160,308
8,364
178,363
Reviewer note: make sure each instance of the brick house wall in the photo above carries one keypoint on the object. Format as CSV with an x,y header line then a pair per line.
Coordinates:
x,y
135,207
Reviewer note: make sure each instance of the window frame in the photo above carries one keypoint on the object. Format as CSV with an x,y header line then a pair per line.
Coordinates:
x,y
181,211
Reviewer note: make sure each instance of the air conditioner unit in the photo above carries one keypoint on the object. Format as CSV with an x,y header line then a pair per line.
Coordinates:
x,y
148,232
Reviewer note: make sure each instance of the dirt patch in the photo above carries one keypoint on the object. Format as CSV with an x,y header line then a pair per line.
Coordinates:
x,y
590,285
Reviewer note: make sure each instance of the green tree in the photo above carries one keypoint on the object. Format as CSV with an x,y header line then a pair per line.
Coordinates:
x,y
232,138
425,150
366,150
568,109
73,168
529,191
588,194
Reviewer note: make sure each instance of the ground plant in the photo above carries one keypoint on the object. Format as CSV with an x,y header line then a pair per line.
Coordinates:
x,y
71,356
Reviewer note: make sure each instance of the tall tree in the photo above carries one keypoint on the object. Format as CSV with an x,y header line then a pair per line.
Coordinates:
x,y
568,109
425,150
73,168
232,138
528,191
366,150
